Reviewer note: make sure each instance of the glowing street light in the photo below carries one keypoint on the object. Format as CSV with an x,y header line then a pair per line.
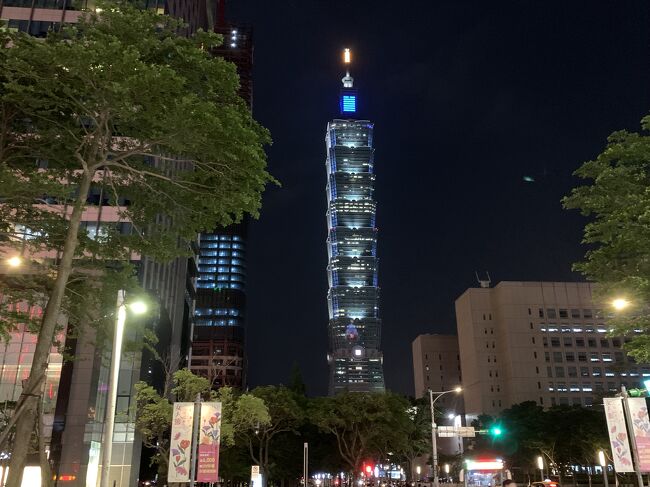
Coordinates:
x,y
347,55
138,307
540,465
434,446
620,304
14,261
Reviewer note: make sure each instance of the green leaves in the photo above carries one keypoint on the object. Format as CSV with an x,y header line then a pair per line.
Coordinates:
x,y
617,200
152,117
569,435
239,412
363,424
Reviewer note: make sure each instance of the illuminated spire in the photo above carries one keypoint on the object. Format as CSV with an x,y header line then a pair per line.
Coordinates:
x,y
348,81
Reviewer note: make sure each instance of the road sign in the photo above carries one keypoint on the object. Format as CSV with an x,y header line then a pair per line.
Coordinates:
x,y
451,431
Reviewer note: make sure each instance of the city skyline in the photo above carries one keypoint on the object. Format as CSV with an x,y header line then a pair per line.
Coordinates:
x,y
468,99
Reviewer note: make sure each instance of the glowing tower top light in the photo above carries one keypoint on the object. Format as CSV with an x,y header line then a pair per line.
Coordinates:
x,y
354,357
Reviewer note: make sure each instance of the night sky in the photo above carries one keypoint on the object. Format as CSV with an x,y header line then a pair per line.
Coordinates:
x,y
468,97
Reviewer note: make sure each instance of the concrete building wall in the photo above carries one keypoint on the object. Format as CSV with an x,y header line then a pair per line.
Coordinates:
x,y
436,363
538,341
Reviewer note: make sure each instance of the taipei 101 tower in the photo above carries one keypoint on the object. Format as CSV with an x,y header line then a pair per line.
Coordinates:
x,y
354,357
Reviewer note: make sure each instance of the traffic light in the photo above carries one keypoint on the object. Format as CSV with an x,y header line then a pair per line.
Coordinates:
x,y
496,431
637,392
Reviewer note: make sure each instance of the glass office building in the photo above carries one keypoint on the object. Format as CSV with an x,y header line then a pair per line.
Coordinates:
x,y
354,355
217,351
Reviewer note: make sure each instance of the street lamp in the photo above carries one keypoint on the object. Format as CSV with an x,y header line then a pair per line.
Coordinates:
x,y
14,261
107,449
620,304
540,465
603,463
434,446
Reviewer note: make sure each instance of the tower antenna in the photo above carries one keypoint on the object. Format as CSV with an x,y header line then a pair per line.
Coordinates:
x,y
485,283
348,81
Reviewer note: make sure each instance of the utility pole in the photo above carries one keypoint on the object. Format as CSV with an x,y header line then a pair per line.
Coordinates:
x,y
434,446
305,462
630,430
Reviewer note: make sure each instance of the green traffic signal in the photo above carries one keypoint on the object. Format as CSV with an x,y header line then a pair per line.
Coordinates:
x,y
496,431
637,392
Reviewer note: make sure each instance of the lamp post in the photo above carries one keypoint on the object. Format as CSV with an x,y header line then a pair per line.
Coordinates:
x,y
111,400
603,463
434,446
540,465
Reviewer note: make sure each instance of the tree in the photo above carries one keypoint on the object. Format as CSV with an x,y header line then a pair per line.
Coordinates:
x,y
154,412
415,439
121,106
286,416
618,203
564,435
364,424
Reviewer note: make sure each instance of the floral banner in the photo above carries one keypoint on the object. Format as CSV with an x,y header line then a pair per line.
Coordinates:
x,y
180,448
209,437
641,429
618,437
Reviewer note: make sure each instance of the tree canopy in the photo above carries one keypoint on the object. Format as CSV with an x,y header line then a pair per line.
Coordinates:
x,y
365,425
153,412
564,435
616,198
116,112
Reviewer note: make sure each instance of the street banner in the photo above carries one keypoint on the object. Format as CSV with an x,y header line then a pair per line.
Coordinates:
x,y
641,431
180,448
209,437
618,437
256,476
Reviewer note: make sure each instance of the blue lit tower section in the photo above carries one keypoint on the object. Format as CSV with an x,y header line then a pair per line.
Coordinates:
x,y
219,333
354,355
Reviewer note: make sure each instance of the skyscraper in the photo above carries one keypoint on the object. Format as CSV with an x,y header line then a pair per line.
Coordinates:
x,y
218,336
354,357
218,340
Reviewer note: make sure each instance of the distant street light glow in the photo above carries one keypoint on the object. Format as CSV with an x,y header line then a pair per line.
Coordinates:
x,y
620,303
14,261
458,389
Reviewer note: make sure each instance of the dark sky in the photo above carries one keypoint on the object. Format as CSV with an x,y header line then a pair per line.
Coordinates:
x,y
467,98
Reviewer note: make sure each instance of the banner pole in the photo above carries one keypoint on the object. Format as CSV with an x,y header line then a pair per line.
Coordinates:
x,y
630,430
196,424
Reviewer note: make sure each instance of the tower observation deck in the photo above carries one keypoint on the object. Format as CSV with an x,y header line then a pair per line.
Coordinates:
x,y
354,356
